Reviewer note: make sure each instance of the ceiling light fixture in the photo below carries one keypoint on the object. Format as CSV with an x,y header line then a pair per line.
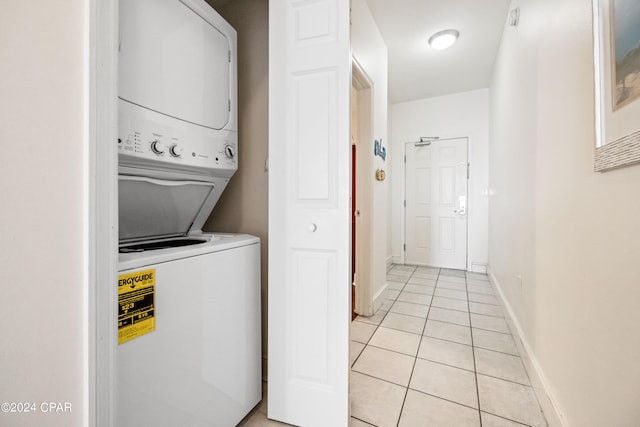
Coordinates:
x,y
443,39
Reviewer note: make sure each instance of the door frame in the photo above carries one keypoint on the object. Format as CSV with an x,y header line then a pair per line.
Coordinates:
x,y
364,191
101,210
403,219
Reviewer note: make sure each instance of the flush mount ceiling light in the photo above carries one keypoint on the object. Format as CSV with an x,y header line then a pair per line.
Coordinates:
x,y
443,39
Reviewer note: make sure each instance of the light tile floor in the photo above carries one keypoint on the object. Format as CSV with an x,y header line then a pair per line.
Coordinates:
x,y
437,353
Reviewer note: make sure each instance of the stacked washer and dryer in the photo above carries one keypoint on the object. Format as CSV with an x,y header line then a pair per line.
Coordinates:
x,y
189,301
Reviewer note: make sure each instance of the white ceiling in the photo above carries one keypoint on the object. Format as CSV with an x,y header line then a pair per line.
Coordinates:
x,y
416,70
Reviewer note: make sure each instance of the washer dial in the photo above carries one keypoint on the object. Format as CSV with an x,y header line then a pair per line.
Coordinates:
x,y
155,147
173,150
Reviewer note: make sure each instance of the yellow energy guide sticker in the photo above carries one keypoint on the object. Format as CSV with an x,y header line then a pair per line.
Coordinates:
x,y
136,302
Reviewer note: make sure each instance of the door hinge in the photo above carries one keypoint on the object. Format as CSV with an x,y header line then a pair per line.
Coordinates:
x,y
468,165
229,105
404,247
405,203
405,158
229,56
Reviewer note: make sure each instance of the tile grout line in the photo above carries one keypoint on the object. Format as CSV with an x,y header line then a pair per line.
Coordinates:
x,y
503,379
429,336
368,340
375,330
473,352
491,330
363,421
379,379
415,359
391,351
440,363
448,400
508,419
436,396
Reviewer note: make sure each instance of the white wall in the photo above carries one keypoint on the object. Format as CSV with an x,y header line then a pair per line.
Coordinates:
x,y
459,115
244,205
371,53
570,233
42,265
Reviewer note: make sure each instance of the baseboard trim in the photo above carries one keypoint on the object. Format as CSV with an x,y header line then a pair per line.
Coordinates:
x,y
541,387
478,267
380,297
389,262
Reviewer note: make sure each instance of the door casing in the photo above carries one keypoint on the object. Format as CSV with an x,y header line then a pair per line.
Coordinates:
x,y
364,193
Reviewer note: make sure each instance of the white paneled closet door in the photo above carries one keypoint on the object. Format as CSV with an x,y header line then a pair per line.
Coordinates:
x,y
309,212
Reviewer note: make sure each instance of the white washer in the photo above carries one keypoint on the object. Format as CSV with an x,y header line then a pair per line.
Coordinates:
x,y
201,366
189,350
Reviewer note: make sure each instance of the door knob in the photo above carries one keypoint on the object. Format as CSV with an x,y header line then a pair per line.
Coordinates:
x,y
462,207
313,227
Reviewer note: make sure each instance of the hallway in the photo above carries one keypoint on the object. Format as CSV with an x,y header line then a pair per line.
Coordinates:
x,y
438,353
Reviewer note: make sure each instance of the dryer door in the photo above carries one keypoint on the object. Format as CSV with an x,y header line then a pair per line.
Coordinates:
x,y
175,61
153,208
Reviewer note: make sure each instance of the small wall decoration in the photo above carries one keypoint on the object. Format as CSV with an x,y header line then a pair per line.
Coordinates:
x,y
616,27
625,52
379,150
380,175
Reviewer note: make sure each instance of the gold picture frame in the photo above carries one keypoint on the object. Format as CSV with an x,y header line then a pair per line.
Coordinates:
x,y
616,25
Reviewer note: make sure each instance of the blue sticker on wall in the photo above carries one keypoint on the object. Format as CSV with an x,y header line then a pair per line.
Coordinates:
x,y
379,150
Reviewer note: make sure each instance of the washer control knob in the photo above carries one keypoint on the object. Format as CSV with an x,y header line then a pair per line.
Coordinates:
x,y
156,148
229,151
173,150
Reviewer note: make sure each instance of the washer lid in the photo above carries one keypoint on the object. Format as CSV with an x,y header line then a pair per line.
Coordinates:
x,y
175,60
152,208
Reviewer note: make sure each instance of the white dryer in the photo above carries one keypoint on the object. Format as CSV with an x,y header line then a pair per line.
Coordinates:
x,y
177,90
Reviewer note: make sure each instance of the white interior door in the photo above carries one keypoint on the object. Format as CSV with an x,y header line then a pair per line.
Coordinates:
x,y
436,203
309,212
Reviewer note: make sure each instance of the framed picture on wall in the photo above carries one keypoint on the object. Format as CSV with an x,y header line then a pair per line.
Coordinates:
x,y
616,25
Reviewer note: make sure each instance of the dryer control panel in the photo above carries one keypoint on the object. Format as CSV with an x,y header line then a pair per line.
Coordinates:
x,y
148,139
